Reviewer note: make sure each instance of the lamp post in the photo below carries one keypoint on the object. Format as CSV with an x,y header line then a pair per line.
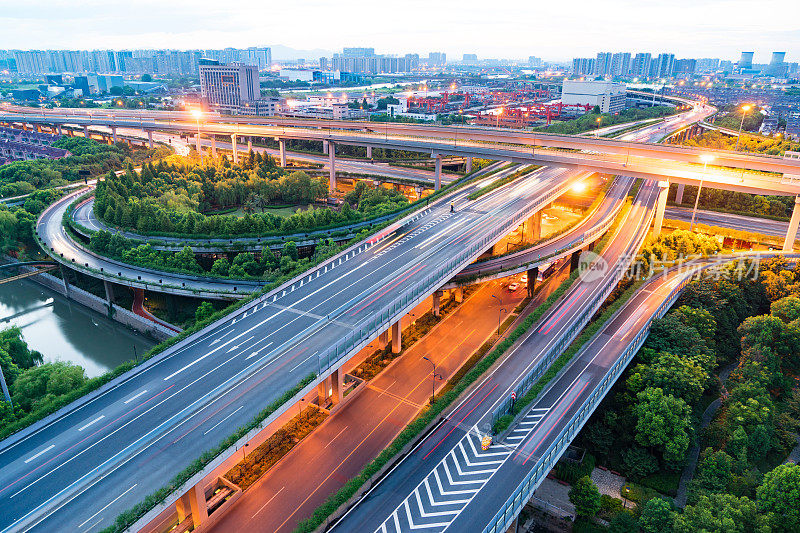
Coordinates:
x,y
597,131
745,109
197,114
706,159
500,314
433,379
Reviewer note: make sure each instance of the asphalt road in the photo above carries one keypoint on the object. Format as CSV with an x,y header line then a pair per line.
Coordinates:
x,y
80,470
764,226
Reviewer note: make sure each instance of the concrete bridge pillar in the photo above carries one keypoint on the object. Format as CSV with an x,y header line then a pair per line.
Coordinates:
x,y
324,147
533,227
397,342
213,146
150,139
39,128
533,273
661,204
282,146
58,129
468,165
574,261
459,294
194,503
109,287
235,150
679,193
64,280
86,131
114,133
791,234
250,144
70,133
437,180
437,303
369,152
197,145
383,339
332,162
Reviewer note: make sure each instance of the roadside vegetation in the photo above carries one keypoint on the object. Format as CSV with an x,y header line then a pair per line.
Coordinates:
x,y
588,122
89,158
728,353
175,199
757,144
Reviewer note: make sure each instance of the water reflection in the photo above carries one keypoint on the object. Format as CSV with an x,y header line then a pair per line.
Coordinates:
x,y
66,331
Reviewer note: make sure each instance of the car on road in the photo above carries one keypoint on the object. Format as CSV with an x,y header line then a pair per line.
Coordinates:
x,y
513,286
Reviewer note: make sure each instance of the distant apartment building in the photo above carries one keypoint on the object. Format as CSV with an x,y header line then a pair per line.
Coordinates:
x,y
641,65
663,66
685,66
436,59
621,64
369,63
535,62
609,96
228,88
707,65
583,66
602,64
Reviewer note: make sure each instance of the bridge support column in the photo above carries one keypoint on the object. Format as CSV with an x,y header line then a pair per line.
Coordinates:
x,y
109,292
397,341
437,303
679,193
661,204
468,165
39,128
213,146
235,150
282,146
250,144
64,280
791,234
533,273
574,261
197,145
58,129
70,132
86,132
194,503
114,133
332,163
324,147
369,152
437,179
150,139
383,339
533,227
458,293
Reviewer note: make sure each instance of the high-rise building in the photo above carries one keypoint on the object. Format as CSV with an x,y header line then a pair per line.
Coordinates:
x,y
685,66
602,65
584,66
228,88
746,61
621,64
663,66
470,58
535,62
437,59
641,65
358,52
707,65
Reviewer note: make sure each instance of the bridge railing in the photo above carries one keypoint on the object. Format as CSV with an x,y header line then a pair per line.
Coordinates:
x,y
419,290
514,504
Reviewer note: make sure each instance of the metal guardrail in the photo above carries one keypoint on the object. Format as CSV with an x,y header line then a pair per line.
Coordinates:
x,y
514,504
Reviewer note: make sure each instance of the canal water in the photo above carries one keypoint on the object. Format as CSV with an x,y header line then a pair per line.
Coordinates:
x,y
63,330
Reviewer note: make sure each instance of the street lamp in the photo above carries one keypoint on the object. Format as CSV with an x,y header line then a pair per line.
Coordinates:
x,y
433,379
500,314
197,114
498,117
745,109
706,159
597,131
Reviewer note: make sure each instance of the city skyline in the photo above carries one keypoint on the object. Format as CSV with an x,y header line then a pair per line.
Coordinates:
x,y
702,31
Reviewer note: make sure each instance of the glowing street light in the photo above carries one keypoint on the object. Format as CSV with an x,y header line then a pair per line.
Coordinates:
x,y
745,109
706,159
197,114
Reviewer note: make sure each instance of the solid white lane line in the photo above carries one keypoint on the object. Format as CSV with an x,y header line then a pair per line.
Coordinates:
x,y
129,400
221,421
32,457
273,497
304,360
108,505
92,422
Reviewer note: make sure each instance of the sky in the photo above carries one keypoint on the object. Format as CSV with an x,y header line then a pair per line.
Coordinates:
x,y
510,29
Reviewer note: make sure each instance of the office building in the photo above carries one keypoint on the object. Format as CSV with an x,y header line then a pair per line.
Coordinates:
x,y
228,88
609,96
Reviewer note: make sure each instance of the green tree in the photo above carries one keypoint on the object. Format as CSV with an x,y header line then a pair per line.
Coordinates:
x,y
787,309
638,462
290,251
203,311
623,522
718,513
664,423
41,384
778,497
585,497
657,516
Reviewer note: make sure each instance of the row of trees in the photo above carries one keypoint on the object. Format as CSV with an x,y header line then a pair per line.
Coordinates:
x,y
171,199
752,204
589,122
23,177
749,143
